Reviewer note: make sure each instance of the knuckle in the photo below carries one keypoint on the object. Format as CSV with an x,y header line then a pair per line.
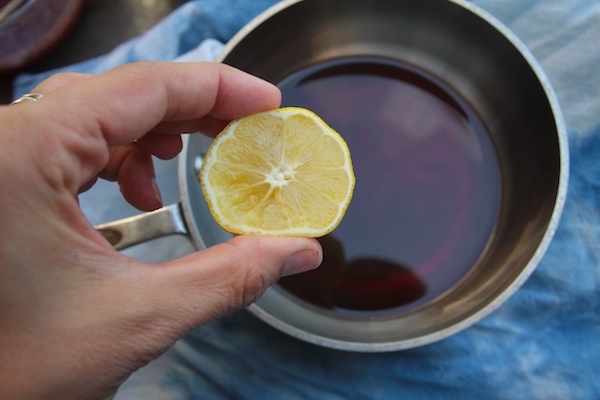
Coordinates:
x,y
59,80
251,278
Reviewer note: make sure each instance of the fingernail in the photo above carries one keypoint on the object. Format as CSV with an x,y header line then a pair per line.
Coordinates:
x,y
302,261
156,191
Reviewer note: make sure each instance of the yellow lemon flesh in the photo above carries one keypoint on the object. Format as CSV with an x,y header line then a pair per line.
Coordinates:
x,y
279,172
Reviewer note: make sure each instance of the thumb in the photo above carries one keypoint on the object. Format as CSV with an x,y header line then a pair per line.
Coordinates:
x,y
230,276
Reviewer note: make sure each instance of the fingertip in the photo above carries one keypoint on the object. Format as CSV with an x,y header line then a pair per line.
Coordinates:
x,y
297,254
241,94
133,169
302,261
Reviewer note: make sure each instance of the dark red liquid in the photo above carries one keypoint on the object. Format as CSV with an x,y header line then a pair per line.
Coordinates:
x,y
427,186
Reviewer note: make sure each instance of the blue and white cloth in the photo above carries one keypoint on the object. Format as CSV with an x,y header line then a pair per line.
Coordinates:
x,y
544,343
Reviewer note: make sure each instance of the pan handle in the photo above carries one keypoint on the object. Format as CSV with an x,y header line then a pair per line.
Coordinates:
x,y
130,231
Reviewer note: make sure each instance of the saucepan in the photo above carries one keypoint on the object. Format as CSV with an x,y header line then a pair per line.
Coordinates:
x,y
489,71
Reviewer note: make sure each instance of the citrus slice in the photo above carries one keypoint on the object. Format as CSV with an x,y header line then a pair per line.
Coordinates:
x,y
279,172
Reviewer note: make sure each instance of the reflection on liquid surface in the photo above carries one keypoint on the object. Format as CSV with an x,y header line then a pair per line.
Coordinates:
x,y
363,285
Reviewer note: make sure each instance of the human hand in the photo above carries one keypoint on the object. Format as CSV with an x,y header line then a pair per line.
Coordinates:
x,y
77,318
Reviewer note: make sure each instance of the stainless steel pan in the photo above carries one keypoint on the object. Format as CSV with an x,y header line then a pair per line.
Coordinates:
x,y
490,68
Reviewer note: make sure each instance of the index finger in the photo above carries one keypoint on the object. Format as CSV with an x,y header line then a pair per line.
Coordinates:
x,y
77,123
131,100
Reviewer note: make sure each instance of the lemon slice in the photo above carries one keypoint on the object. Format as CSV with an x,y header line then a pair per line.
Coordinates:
x,y
279,172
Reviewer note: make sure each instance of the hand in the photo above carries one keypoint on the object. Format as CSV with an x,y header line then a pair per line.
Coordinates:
x,y
76,317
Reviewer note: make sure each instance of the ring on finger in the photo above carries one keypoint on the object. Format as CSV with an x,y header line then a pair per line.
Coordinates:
x,y
27,97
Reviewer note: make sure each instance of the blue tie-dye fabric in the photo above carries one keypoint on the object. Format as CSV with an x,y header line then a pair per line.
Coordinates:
x,y
544,343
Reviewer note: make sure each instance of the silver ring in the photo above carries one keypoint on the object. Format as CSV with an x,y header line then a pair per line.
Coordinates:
x,y
27,98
